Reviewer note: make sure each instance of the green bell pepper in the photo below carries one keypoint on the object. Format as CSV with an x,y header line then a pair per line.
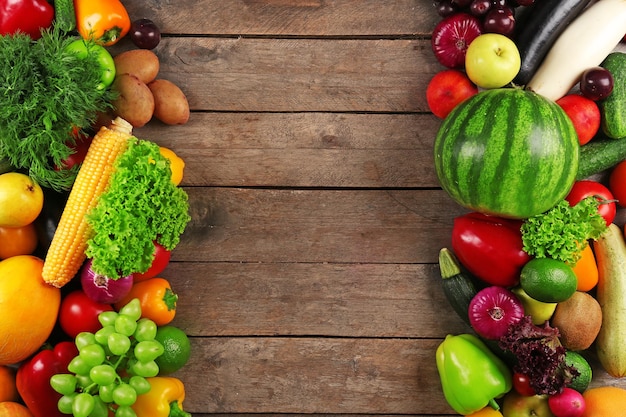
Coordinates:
x,y
472,376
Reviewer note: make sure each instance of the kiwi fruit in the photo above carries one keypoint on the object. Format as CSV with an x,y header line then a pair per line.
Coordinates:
x,y
578,319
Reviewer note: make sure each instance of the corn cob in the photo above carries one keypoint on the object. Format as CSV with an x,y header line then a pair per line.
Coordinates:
x,y
67,249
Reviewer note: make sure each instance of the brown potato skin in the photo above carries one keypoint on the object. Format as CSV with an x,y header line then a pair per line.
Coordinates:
x,y
142,63
135,102
170,103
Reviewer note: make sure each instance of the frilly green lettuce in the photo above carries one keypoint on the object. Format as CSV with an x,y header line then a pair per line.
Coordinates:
x,y
141,205
563,231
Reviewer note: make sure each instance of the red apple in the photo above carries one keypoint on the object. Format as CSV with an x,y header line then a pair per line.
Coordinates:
x,y
584,113
452,36
447,89
568,403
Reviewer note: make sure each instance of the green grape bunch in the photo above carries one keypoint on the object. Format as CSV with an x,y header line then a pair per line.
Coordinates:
x,y
112,365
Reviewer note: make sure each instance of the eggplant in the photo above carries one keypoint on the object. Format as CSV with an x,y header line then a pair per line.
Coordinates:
x,y
48,220
539,27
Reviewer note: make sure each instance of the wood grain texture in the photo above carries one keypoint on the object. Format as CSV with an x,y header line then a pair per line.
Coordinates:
x,y
308,278
289,18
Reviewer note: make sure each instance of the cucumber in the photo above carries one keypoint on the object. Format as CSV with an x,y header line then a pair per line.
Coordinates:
x,y
600,154
610,252
542,24
613,108
64,15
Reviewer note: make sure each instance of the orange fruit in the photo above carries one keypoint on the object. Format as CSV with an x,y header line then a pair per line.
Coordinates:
x,y
13,409
605,401
28,307
586,270
488,411
177,164
8,389
18,240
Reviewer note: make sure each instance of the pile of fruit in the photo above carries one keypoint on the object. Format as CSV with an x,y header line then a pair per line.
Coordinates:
x,y
89,216
532,142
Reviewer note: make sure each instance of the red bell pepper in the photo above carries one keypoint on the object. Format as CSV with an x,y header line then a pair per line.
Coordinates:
x,y
27,16
33,379
490,247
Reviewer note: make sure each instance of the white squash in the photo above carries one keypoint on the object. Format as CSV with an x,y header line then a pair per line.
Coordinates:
x,y
585,43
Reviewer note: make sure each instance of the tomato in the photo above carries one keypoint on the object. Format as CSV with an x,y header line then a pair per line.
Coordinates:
x,y
18,240
79,150
160,261
79,313
617,183
447,89
521,383
584,114
587,188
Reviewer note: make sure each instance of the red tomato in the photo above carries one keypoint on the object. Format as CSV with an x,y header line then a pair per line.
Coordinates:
x,y
521,383
617,183
80,149
447,89
584,114
79,313
160,261
587,188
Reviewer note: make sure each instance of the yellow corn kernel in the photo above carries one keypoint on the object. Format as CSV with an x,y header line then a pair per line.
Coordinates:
x,y
67,249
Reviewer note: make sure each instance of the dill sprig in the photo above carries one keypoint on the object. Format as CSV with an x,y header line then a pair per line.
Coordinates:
x,y
45,93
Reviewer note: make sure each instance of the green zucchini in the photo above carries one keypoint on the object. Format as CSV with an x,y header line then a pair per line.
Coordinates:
x,y
613,108
460,287
457,285
600,154
64,15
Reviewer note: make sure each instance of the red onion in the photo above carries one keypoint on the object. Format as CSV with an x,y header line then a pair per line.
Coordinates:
x,y
492,310
103,289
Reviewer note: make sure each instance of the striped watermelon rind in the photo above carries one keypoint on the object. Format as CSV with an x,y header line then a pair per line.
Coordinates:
x,y
507,152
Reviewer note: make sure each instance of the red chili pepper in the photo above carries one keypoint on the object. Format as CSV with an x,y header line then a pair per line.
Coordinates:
x,y
33,379
27,16
490,247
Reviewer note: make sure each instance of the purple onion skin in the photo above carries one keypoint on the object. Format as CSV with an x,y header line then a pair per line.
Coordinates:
x,y
102,289
492,310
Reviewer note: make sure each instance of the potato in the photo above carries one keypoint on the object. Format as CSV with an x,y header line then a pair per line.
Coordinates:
x,y
170,103
142,63
135,102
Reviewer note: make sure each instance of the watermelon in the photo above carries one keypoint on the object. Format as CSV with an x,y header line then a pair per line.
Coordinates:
x,y
507,152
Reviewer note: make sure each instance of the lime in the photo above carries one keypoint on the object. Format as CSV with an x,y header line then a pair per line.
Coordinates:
x,y
548,280
176,349
575,359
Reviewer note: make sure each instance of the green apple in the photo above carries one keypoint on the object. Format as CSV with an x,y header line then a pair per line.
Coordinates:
x,y
538,310
492,60
517,405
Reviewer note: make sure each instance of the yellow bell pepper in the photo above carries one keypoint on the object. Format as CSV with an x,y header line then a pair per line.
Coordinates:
x,y
165,398
104,21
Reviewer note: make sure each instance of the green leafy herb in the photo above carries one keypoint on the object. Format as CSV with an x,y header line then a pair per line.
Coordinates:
x,y
141,205
46,92
563,231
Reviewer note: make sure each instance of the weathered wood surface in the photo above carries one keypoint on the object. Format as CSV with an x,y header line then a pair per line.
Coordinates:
x,y
307,278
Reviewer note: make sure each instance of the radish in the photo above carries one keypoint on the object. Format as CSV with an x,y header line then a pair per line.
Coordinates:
x,y
492,310
567,403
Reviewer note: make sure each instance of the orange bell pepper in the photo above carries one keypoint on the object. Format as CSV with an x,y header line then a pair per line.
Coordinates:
x,y
586,270
157,300
104,21
165,398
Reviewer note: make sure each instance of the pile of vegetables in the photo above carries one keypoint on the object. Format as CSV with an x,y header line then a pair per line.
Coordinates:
x,y
112,212
537,194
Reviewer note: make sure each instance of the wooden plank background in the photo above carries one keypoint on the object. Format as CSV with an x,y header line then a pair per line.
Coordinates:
x,y
307,278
